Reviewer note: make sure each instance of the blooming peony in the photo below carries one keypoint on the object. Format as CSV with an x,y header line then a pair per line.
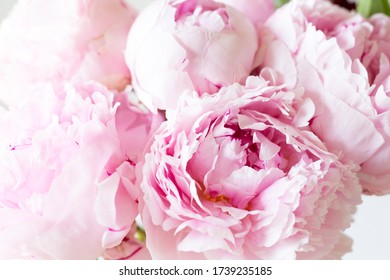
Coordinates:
x,y
188,44
52,41
354,34
325,60
238,175
67,169
363,39
351,30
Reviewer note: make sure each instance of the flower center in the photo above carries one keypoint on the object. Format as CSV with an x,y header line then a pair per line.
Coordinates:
x,y
217,198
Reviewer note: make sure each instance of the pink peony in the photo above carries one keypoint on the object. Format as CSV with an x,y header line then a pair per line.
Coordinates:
x,y
67,169
238,175
52,41
360,38
353,33
327,65
350,29
188,44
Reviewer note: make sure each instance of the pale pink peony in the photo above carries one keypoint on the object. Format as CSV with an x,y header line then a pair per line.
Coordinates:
x,y
350,29
188,44
52,41
327,65
360,38
67,169
238,175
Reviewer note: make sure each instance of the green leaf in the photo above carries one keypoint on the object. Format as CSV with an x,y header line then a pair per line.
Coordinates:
x,y
386,7
369,7
364,7
279,3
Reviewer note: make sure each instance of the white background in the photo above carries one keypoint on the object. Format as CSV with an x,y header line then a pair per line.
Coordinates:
x,y
371,229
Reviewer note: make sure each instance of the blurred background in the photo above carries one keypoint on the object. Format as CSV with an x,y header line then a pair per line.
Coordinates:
x,y
371,228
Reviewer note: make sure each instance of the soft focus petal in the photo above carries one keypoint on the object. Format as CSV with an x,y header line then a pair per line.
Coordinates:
x,y
68,173
53,42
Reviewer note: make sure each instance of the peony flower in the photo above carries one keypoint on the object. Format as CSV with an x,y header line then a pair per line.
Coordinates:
x,y
351,30
360,38
53,41
332,75
67,169
238,175
353,33
189,44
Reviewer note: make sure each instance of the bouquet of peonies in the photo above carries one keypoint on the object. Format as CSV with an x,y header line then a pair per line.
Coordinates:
x,y
198,129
